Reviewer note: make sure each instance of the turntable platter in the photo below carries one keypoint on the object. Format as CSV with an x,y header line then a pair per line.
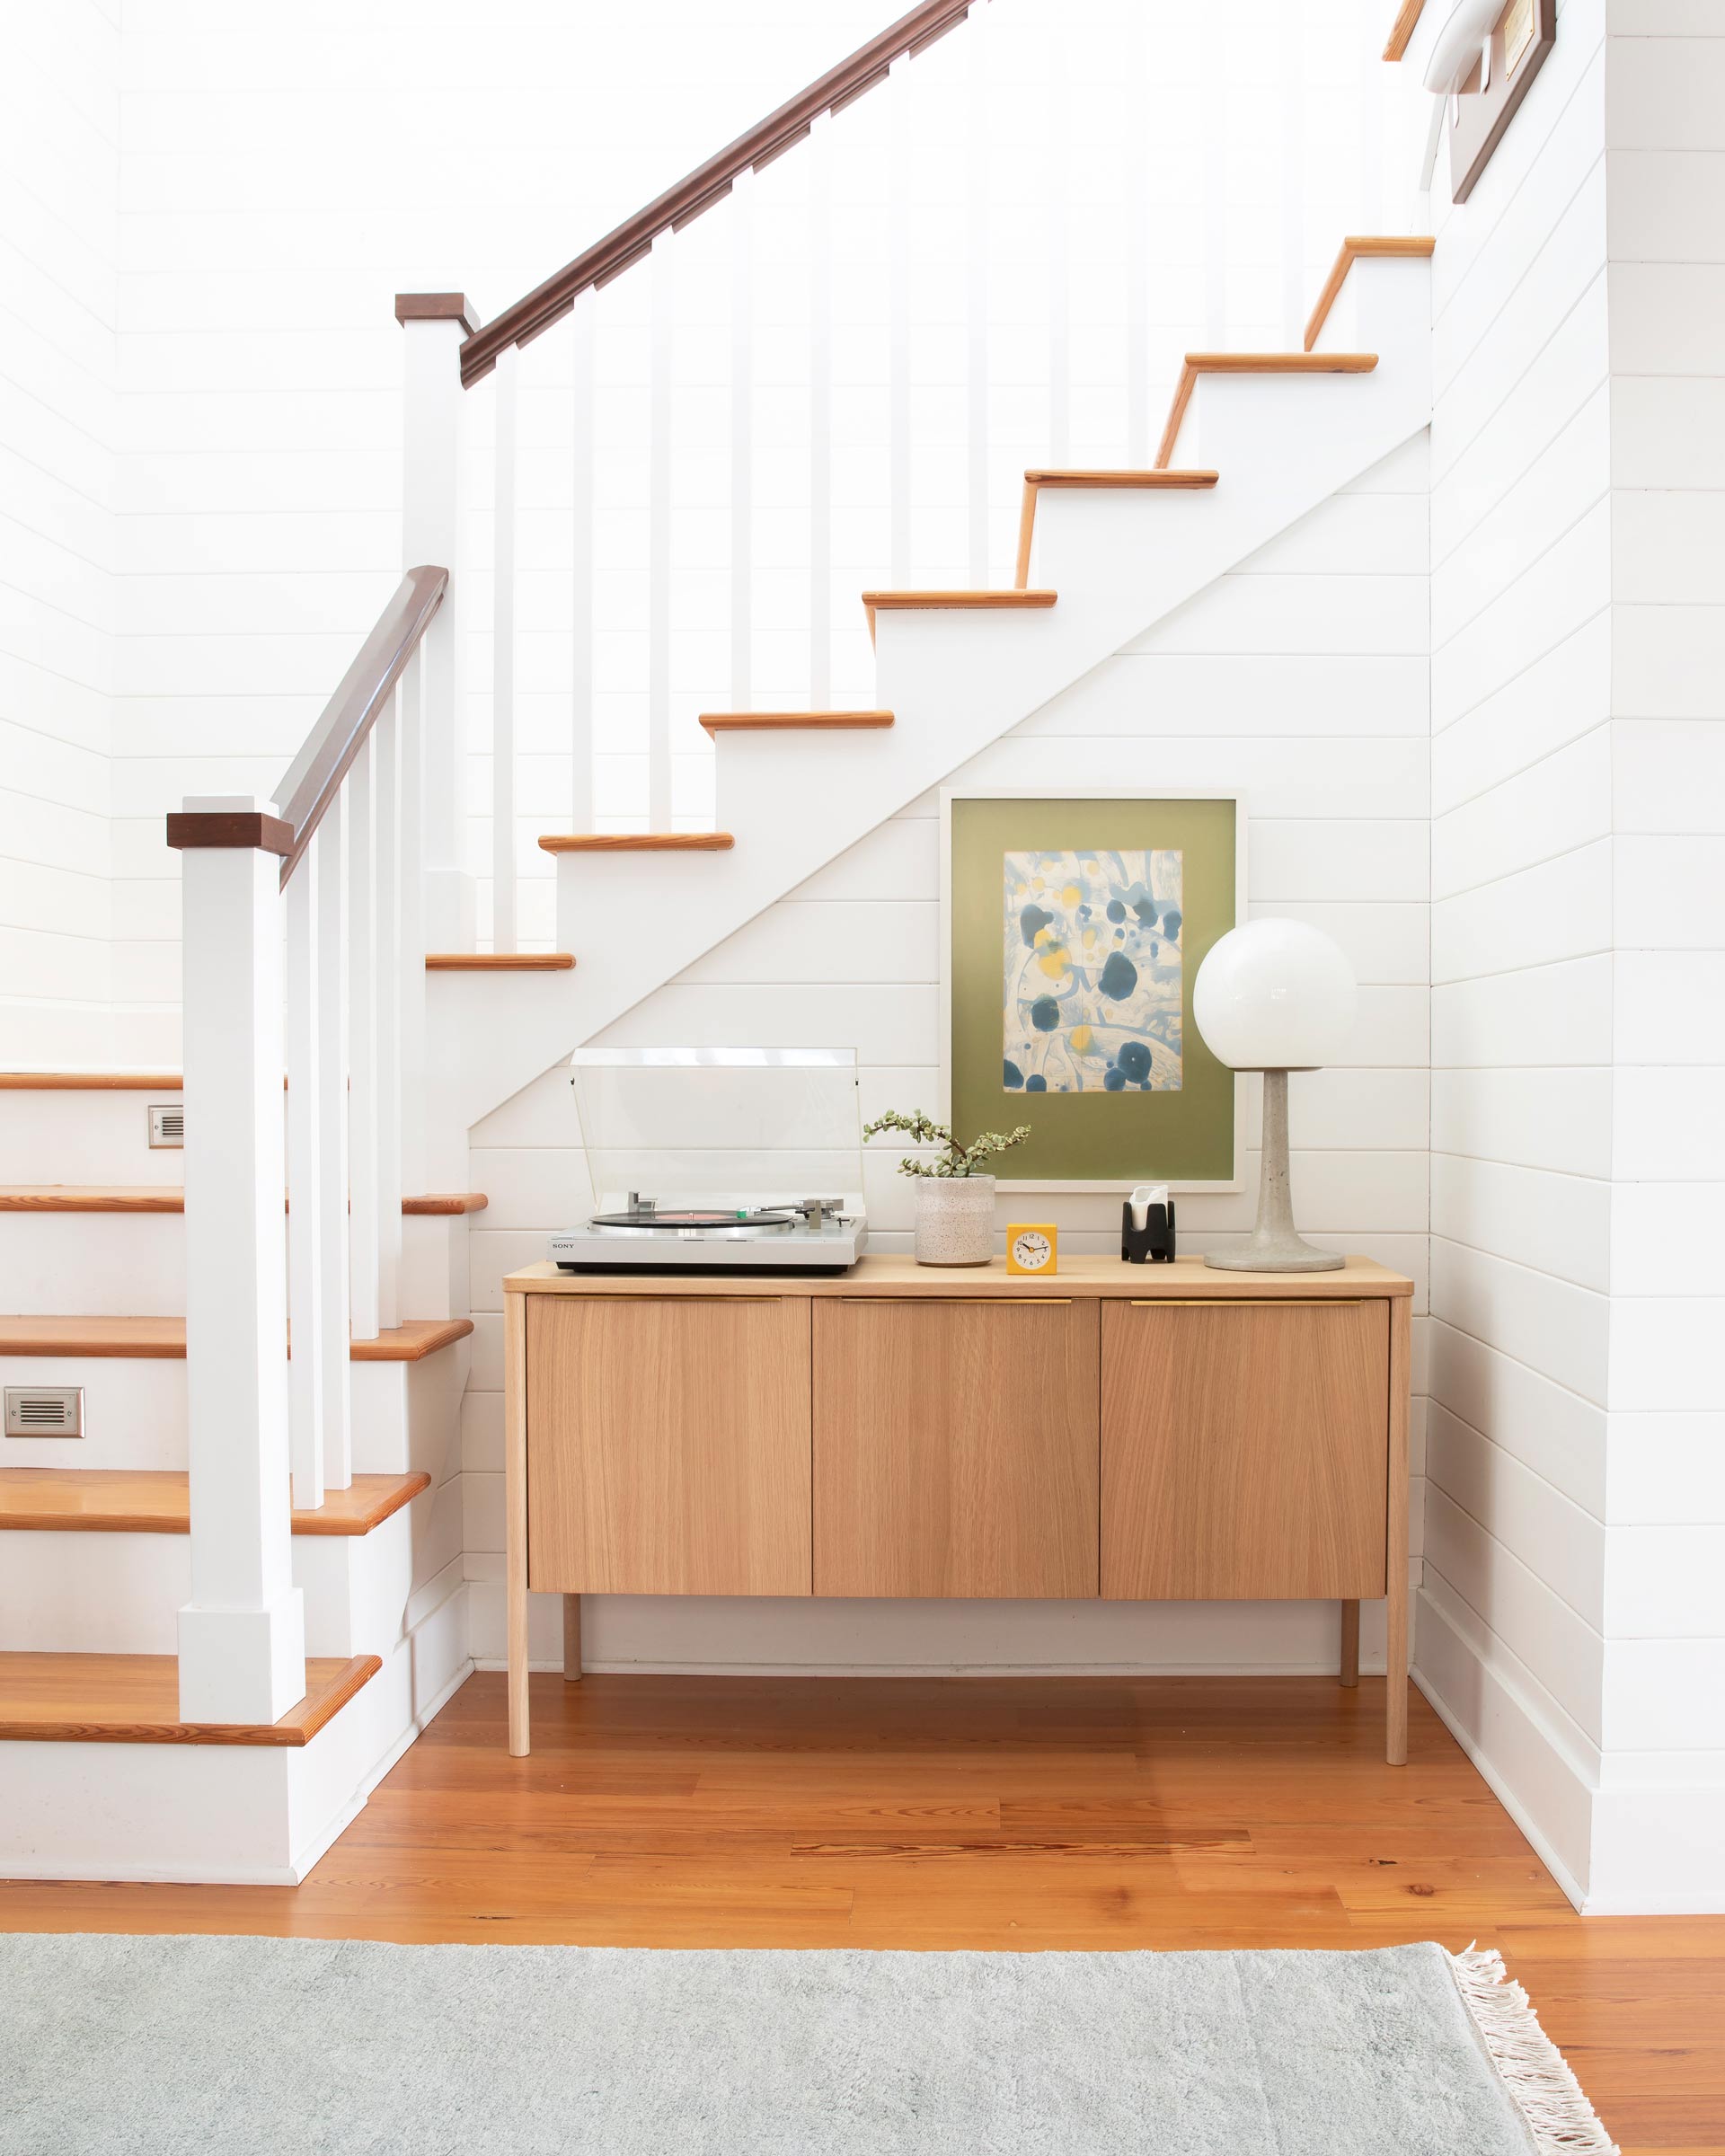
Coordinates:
x,y
683,1219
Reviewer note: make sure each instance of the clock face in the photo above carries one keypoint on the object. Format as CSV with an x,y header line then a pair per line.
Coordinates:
x,y
1032,1250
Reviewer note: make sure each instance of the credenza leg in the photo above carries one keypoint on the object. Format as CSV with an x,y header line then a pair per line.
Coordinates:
x,y
515,1462
572,1639
1350,1644
1395,1614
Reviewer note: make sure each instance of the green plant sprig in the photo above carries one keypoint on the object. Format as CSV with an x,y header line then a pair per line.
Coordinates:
x,y
957,1159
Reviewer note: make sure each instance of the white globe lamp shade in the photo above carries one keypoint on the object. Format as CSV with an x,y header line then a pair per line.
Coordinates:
x,y
1275,995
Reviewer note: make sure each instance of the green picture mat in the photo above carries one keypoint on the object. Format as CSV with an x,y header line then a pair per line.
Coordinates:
x,y
1126,1137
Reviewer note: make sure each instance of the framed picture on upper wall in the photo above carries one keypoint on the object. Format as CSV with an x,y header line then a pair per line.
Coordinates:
x,y
1072,926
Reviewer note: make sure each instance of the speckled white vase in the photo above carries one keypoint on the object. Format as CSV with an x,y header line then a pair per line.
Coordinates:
x,y
955,1219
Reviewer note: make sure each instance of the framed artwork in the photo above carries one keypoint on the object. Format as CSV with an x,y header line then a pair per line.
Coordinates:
x,y
1072,927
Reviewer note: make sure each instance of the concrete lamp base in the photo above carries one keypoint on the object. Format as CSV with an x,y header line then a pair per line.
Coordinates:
x,y
1275,1248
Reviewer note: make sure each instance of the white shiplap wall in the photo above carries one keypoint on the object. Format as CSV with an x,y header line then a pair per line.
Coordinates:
x,y
1299,681
1659,1820
59,147
1511,1641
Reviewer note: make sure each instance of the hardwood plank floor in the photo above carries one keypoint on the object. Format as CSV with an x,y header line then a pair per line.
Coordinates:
x,y
985,1813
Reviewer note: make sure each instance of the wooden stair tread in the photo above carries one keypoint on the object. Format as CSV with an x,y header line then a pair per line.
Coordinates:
x,y
909,601
499,961
115,1501
171,1197
1156,476
1358,247
91,1081
638,841
1251,363
134,1700
741,722
163,1339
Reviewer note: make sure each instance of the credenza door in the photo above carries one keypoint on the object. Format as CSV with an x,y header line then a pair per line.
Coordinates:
x,y
1245,1449
955,1446
668,1445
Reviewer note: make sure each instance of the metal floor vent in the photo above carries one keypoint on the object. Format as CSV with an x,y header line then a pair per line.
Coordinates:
x,y
168,1125
44,1410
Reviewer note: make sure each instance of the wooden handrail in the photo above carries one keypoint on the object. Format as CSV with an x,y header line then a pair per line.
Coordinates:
x,y
707,185
358,702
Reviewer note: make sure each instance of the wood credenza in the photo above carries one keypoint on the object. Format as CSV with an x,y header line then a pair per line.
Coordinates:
x,y
1154,1433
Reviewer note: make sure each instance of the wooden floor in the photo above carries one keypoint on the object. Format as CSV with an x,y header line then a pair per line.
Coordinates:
x,y
1000,1812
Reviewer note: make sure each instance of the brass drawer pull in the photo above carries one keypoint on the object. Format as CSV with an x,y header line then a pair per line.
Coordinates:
x,y
627,1296
1247,1302
936,1301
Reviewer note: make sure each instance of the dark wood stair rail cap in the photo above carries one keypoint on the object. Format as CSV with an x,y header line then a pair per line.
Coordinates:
x,y
358,702
437,306
707,185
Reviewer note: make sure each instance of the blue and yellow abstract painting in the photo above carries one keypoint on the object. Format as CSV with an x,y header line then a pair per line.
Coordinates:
x,y
1092,972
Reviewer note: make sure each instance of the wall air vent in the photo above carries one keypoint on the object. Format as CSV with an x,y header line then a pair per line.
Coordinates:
x,y
44,1410
168,1125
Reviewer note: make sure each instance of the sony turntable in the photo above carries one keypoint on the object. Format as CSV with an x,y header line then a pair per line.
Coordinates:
x,y
729,1137
808,1236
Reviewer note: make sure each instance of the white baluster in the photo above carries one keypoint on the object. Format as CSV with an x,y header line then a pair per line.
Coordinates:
x,y
242,1634
335,1422
413,966
820,413
742,442
432,532
975,297
387,1040
898,89
1135,57
304,1186
659,543
362,1052
1058,137
508,379
582,331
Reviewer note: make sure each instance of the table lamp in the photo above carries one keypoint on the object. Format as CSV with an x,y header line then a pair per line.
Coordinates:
x,y
1275,996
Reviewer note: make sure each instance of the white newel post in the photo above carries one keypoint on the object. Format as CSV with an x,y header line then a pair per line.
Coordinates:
x,y
434,324
243,1634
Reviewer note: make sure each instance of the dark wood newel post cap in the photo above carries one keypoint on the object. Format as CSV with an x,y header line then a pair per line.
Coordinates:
x,y
437,306
231,827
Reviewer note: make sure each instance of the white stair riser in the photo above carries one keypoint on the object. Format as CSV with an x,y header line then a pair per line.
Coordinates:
x,y
134,1264
83,1594
85,1136
100,1264
134,1410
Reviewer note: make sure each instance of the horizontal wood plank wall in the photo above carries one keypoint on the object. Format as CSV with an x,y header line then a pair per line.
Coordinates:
x,y
1509,1623
1300,680
59,168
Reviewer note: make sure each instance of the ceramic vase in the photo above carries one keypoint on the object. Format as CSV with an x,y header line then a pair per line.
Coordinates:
x,y
955,1219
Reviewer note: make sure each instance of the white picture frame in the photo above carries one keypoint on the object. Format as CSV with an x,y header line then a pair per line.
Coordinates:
x,y
1108,1187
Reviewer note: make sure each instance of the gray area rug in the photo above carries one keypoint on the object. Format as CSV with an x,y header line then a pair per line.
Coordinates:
x,y
168,2046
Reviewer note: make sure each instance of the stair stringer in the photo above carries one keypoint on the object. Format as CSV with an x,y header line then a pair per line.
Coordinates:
x,y
1120,560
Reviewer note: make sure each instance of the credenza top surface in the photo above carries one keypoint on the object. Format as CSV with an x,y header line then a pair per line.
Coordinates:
x,y
1187,1278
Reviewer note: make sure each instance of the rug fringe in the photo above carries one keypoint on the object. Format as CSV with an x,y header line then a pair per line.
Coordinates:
x,y
1559,2117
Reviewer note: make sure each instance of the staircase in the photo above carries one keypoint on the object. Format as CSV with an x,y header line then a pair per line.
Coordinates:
x,y
1272,436
243,1581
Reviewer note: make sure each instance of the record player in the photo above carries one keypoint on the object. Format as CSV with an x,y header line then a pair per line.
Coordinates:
x,y
806,1236
729,1142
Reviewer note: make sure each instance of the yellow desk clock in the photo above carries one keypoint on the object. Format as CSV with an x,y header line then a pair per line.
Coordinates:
x,y
1032,1246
